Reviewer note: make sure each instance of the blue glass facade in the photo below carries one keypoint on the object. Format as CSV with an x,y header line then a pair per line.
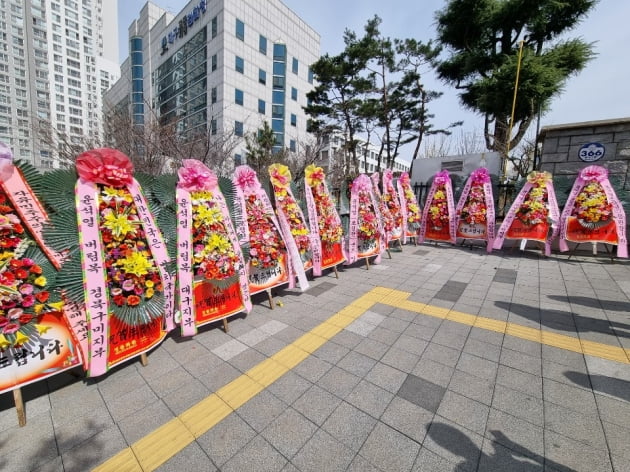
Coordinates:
x,y
137,80
279,94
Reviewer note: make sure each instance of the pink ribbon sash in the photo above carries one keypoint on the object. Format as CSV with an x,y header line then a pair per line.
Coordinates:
x,y
452,228
488,200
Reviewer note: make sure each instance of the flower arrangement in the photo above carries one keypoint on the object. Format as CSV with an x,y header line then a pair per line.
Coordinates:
x,y
413,210
330,230
213,255
535,206
474,210
368,226
280,180
389,197
592,206
265,242
24,293
438,208
132,274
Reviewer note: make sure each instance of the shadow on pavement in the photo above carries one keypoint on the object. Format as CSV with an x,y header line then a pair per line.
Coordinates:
x,y
565,320
601,383
507,455
611,305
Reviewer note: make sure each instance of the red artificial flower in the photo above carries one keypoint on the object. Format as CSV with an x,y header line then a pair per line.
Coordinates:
x,y
105,166
43,296
133,300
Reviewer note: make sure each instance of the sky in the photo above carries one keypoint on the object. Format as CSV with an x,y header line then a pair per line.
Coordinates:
x,y
599,92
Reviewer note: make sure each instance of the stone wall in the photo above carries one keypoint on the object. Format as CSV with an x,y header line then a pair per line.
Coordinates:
x,y
561,146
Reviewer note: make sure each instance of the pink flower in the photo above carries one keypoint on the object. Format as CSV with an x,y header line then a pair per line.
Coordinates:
x,y
361,184
194,175
596,173
11,328
105,166
480,176
15,313
128,285
245,178
28,301
404,178
442,178
26,289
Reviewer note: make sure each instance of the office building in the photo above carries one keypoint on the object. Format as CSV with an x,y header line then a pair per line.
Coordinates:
x,y
220,68
54,66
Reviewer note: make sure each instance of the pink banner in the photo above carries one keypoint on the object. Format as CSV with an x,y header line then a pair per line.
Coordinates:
x,y
534,179
598,174
316,243
480,177
441,178
362,186
393,203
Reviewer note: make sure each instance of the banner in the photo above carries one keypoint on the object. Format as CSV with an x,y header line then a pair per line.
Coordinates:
x,y
393,204
438,217
475,209
366,236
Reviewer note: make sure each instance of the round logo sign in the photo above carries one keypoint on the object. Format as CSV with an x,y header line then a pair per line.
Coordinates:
x,y
591,152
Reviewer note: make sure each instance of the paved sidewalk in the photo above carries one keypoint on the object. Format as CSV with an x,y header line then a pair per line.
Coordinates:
x,y
441,358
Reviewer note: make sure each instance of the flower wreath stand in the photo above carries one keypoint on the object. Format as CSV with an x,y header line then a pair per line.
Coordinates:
x,y
387,220
475,209
393,203
593,213
534,214
324,222
292,223
410,209
211,277
438,217
366,237
118,265
36,339
269,261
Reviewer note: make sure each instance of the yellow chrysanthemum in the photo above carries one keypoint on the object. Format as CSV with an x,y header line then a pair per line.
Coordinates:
x,y
119,225
219,243
207,215
40,281
135,264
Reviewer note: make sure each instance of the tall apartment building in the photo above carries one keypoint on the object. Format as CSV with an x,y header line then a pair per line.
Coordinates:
x,y
220,67
54,67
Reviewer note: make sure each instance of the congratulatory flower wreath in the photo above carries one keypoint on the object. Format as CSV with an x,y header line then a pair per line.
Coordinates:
x,y
535,208
330,230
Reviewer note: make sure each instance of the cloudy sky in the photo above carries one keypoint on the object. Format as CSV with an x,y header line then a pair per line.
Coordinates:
x,y
600,92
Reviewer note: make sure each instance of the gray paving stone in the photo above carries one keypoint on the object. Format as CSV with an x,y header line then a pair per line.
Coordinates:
x,y
384,335
472,387
518,404
339,382
584,428
407,418
247,359
349,425
617,440
257,455
401,360
188,395
515,433
289,432
521,381
153,416
216,378
370,398
30,446
322,452
347,339
577,399
482,349
289,387
316,404
192,457
131,402
477,366
442,354
356,363
312,368
226,439
454,443
261,410
95,450
446,338
562,453
421,392
487,337
433,372
465,412
428,461
388,449
410,344
270,346
372,348
521,361
360,327
386,377
230,349
360,464
54,465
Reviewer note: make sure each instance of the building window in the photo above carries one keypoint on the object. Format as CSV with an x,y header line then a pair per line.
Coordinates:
x,y
238,96
238,159
213,95
292,145
214,27
214,62
240,30
279,52
238,128
293,120
262,76
213,126
239,65
261,106
293,93
294,69
277,111
262,44
310,75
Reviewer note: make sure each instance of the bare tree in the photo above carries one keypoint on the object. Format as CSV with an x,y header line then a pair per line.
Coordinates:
x,y
437,146
471,142
65,147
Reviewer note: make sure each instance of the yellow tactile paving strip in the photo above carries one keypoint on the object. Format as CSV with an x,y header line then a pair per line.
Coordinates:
x,y
160,445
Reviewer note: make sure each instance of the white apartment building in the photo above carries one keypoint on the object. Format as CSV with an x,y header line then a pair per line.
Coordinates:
x,y
220,66
367,154
54,66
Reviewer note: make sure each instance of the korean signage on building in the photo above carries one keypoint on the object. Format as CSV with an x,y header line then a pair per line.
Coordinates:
x,y
181,28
